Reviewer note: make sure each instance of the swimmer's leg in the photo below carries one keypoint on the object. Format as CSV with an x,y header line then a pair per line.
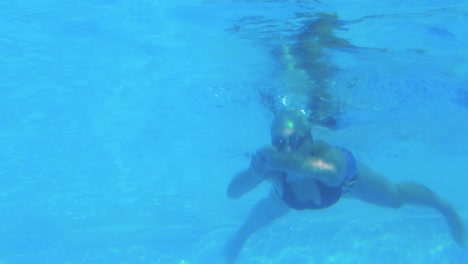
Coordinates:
x,y
376,189
415,193
264,212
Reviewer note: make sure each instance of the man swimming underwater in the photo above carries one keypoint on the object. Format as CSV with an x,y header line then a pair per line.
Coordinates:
x,y
311,174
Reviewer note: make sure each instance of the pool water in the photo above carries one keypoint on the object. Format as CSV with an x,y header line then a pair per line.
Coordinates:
x,y
122,122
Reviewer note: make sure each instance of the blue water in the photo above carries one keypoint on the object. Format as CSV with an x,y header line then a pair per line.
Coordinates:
x,y
121,123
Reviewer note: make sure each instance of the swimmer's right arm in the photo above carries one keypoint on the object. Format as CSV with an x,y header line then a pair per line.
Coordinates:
x,y
242,182
248,179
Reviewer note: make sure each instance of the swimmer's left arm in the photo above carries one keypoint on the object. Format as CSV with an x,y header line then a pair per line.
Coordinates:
x,y
320,169
327,169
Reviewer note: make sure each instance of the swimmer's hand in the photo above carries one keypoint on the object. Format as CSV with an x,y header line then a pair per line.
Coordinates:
x,y
258,164
276,161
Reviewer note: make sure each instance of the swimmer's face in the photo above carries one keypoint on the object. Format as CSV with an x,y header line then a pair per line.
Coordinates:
x,y
289,140
290,131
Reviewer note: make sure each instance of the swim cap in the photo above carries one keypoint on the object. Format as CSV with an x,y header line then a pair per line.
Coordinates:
x,y
290,119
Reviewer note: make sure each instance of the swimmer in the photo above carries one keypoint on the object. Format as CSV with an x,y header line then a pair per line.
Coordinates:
x,y
311,174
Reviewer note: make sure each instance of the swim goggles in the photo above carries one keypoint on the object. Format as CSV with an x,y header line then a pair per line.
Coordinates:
x,y
294,141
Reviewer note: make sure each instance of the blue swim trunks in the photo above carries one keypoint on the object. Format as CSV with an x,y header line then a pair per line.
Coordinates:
x,y
351,176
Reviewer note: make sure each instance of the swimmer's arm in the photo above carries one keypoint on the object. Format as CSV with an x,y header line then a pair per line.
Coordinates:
x,y
320,169
246,180
327,168
242,183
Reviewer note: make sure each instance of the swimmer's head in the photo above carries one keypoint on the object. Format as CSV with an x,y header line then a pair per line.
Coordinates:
x,y
290,129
